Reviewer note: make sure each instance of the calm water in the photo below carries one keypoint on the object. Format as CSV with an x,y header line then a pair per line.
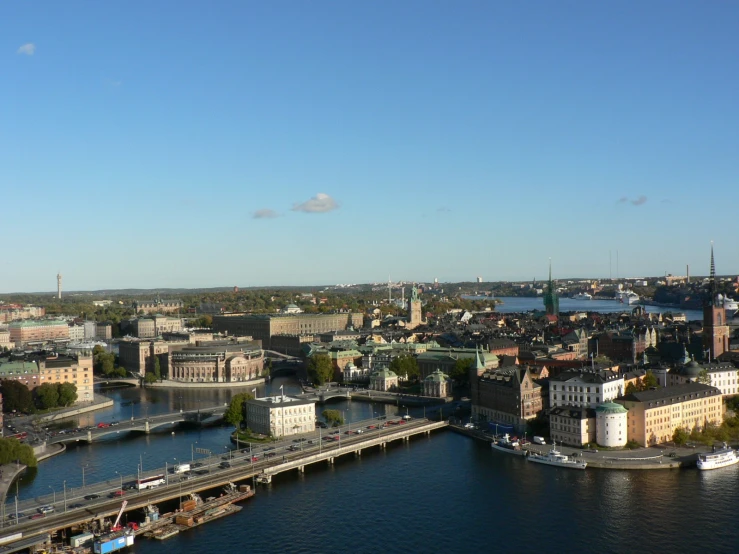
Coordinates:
x,y
443,493
517,304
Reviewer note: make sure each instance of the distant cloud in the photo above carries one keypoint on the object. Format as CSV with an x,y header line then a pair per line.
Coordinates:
x,y
444,210
665,201
635,202
265,213
112,83
28,49
320,203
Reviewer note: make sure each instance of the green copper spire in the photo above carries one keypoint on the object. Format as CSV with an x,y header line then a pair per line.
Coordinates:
x,y
551,300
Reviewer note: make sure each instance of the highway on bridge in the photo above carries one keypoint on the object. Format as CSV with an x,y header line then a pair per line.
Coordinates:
x,y
143,424
98,500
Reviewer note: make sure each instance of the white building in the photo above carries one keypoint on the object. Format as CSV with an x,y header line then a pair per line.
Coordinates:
x,y
584,389
354,373
291,309
384,380
611,425
76,333
5,339
724,376
280,416
437,385
91,329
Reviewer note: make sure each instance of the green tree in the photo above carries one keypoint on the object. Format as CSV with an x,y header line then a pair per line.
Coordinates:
x,y
320,368
631,388
16,397
405,366
150,378
67,394
47,396
603,360
157,368
649,380
235,413
704,377
461,371
333,417
680,436
12,450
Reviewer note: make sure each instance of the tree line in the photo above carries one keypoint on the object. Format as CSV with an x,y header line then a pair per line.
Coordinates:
x,y
17,397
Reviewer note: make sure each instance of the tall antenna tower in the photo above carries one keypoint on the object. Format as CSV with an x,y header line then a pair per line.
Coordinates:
x,y
389,290
59,285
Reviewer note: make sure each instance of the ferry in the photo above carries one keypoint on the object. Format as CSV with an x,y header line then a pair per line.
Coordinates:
x,y
555,458
727,303
718,458
583,296
628,297
508,445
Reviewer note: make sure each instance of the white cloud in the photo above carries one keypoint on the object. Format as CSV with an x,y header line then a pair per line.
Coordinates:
x,y
265,213
320,203
28,49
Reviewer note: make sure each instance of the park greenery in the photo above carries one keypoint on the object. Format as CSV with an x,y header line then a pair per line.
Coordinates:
x,y
711,433
320,369
12,451
406,367
18,398
333,418
156,373
461,371
104,363
235,413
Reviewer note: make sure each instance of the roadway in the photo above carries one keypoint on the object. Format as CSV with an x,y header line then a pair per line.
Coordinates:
x,y
144,424
97,500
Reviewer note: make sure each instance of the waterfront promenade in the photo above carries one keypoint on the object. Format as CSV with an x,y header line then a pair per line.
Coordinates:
x,y
103,499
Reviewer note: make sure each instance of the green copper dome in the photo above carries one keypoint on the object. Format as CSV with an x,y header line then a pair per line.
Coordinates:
x,y
611,408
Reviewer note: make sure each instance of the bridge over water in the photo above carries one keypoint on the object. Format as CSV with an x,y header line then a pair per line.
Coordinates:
x,y
145,424
96,501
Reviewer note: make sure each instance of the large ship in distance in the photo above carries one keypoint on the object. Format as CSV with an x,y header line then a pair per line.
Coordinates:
x,y
582,296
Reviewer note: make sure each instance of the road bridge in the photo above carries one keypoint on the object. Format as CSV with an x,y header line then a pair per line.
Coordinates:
x,y
144,424
97,500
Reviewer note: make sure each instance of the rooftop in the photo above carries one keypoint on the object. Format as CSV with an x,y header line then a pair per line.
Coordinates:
x,y
673,394
278,401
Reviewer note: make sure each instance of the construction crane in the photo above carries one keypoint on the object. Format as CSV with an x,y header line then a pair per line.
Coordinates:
x,y
118,519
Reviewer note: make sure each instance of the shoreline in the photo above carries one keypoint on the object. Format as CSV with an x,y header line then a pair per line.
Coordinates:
x,y
182,385
642,459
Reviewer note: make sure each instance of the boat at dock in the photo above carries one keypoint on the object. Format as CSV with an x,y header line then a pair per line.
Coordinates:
x,y
508,445
723,457
193,512
583,296
555,458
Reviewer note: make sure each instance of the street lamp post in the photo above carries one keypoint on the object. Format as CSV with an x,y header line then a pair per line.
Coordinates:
x,y
121,476
65,495
83,475
54,491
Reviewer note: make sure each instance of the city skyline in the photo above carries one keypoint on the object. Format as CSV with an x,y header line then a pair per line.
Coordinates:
x,y
168,146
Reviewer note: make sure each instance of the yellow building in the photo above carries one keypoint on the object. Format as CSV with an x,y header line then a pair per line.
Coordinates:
x,y
655,414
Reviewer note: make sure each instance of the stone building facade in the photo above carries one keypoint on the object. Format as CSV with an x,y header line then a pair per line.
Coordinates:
x,y
216,364
43,330
280,416
507,396
264,327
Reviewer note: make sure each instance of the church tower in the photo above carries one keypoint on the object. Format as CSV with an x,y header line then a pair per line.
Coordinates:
x,y
415,317
551,300
715,329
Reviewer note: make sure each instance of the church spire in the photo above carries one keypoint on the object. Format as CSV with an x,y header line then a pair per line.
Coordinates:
x,y
478,362
712,292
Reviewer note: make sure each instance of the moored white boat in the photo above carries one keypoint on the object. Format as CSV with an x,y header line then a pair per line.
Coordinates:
x,y
583,296
718,458
555,458
508,446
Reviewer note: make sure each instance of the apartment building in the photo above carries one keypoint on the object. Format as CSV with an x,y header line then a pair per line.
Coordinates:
x,y
41,330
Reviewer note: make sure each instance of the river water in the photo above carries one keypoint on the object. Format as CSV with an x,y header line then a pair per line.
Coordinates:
x,y
443,493
512,304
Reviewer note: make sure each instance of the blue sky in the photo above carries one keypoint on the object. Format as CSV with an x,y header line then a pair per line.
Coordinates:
x,y
189,144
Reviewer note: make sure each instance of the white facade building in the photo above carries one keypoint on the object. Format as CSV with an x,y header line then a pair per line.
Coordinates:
x,y
584,389
76,333
91,329
611,425
724,376
280,416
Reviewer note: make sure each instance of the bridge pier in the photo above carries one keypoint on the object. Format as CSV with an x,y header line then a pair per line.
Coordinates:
x,y
383,444
89,436
146,427
358,452
330,461
301,469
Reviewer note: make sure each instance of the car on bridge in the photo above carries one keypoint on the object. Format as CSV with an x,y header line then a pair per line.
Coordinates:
x,y
37,516
102,425
20,515
91,496
255,458
196,464
74,506
46,509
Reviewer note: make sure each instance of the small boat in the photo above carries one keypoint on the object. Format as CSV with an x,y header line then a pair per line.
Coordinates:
x,y
555,458
583,296
718,458
508,445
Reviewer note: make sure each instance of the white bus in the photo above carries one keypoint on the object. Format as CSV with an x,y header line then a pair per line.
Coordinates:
x,y
150,482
